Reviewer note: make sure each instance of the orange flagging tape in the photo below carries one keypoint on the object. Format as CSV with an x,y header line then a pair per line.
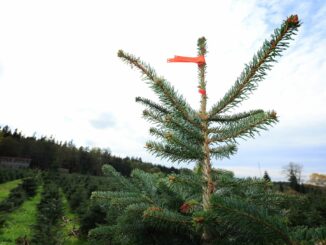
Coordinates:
x,y
199,60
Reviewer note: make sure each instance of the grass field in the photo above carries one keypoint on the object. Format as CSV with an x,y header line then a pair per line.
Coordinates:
x,y
18,223
5,188
70,223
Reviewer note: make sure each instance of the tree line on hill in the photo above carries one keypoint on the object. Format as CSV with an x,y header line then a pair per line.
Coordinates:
x,y
47,153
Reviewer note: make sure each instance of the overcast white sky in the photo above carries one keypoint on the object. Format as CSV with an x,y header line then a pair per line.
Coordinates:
x,y
60,75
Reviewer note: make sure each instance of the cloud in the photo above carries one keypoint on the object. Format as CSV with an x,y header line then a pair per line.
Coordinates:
x,y
103,121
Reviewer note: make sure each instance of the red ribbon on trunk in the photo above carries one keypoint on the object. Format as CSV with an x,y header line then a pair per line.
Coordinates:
x,y
202,91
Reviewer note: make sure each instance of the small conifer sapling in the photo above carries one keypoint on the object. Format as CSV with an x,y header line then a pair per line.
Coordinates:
x,y
188,135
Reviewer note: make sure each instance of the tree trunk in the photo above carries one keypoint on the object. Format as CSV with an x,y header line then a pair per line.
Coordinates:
x,y
208,189
208,186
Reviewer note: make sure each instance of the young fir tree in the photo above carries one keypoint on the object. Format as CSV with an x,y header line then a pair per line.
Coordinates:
x,y
188,135
266,177
294,181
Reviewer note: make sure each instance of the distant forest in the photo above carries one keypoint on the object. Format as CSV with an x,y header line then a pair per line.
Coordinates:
x,y
47,153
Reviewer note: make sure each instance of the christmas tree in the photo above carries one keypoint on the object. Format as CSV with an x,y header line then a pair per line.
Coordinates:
x,y
204,206
187,135
266,177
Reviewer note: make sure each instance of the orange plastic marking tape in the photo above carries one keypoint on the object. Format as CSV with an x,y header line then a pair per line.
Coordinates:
x,y
199,60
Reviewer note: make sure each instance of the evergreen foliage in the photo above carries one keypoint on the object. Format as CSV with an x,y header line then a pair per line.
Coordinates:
x,y
16,198
95,216
187,135
77,189
181,128
266,177
145,197
18,224
294,182
160,209
281,187
50,211
30,186
8,174
18,195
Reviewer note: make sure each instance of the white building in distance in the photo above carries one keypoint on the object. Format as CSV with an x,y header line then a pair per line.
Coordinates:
x,y
15,162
